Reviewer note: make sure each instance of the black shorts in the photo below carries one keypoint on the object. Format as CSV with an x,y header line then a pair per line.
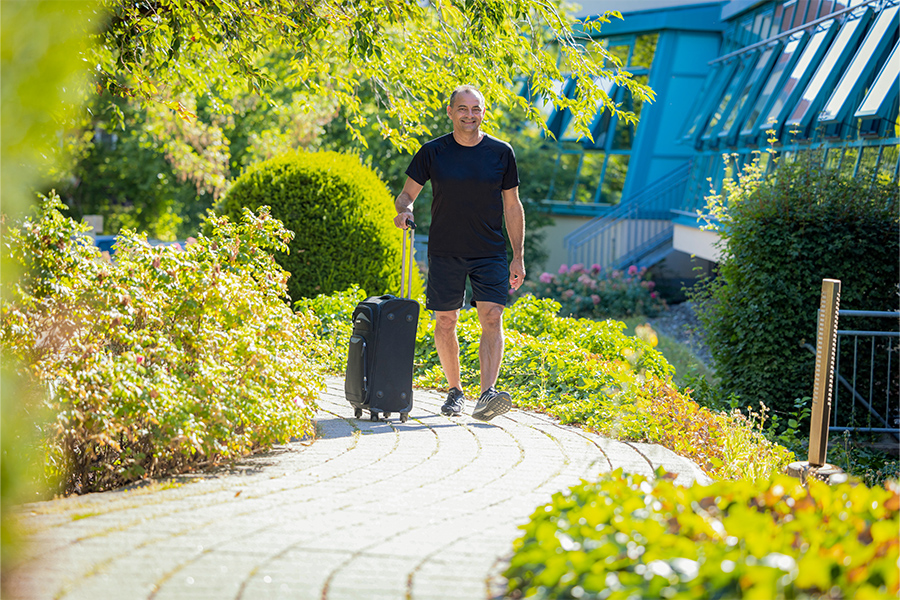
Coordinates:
x,y
447,281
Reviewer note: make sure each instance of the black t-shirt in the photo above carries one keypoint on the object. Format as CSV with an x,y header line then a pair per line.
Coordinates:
x,y
467,181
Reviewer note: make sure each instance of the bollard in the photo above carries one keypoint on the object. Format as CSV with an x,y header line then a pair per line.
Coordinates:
x,y
823,387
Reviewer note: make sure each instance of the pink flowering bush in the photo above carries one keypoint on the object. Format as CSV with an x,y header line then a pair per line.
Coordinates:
x,y
596,293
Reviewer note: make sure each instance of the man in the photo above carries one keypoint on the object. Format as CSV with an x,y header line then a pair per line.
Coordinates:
x,y
476,185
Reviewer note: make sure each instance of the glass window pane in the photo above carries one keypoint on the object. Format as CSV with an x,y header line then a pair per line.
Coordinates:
x,y
833,158
776,21
784,62
836,54
621,52
800,14
787,15
759,70
644,49
614,178
706,97
559,117
745,32
588,184
545,103
869,159
801,72
624,135
766,26
600,124
848,163
887,167
564,174
875,42
730,92
884,88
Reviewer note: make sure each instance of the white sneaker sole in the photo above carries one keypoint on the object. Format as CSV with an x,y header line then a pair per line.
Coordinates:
x,y
494,407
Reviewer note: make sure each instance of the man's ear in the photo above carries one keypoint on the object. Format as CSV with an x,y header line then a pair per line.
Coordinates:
x,y
448,110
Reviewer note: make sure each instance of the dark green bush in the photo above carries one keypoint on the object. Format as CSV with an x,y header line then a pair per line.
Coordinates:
x,y
781,235
341,215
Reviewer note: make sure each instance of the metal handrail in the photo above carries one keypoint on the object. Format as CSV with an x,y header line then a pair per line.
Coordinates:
x,y
596,238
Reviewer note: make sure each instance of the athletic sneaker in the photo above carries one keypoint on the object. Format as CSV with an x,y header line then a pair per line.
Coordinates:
x,y
490,404
456,402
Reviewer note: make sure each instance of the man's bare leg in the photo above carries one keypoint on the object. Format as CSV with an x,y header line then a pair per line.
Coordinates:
x,y
447,345
490,352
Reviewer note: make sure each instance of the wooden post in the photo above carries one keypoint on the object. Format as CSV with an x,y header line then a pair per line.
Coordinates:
x,y
823,388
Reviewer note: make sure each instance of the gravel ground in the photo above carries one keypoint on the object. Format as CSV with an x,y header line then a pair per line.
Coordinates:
x,y
681,323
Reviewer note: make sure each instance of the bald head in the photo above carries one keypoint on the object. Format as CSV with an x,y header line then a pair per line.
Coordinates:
x,y
466,88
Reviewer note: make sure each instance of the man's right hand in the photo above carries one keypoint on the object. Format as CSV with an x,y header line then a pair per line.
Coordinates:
x,y
401,218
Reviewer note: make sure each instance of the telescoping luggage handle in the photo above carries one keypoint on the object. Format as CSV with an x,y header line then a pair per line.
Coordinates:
x,y
406,269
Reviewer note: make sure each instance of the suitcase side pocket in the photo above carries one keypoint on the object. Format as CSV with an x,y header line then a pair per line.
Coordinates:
x,y
356,384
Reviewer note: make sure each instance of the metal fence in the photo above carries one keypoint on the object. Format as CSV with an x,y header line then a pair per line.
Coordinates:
x,y
867,373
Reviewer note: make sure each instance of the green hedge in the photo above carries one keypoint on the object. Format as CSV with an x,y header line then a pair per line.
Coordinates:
x,y
781,235
341,215
628,536
163,359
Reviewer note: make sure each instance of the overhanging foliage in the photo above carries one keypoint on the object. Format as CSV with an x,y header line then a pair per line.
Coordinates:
x,y
410,53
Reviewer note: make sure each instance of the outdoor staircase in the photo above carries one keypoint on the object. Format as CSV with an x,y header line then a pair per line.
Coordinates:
x,y
637,232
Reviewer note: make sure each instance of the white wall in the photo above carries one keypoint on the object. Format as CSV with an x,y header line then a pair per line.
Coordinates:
x,y
691,240
553,242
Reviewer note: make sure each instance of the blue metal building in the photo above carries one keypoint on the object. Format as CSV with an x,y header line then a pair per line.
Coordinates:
x,y
823,74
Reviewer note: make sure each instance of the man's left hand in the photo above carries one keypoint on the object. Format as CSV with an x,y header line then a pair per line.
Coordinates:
x,y
516,273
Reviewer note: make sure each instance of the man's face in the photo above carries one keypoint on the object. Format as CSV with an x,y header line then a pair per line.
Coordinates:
x,y
466,113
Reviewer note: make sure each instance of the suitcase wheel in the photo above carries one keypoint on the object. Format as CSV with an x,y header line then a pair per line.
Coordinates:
x,y
357,413
387,415
404,417
373,416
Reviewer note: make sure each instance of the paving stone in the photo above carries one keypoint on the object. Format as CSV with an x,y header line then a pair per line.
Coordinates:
x,y
423,510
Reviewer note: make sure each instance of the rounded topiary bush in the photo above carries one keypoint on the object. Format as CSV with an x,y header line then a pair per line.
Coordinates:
x,y
341,215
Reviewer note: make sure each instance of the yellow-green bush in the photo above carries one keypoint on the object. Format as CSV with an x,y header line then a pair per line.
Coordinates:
x,y
588,373
163,358
628,536
341,215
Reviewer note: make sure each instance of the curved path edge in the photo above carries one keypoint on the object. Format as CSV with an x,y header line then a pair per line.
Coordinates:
x,y
426,509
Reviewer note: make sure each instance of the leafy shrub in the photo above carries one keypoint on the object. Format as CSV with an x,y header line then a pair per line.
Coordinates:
x,y
595,293
585,372
627,536
341,215
164,359
781,235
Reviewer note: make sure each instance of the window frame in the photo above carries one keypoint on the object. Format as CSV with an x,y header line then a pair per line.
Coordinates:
x,y
774,83
809,61
866,59
567,117
829,69
741,73
890,69
712,88
766,58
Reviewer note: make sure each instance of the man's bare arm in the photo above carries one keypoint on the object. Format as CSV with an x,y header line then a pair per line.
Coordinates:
x,y
515,227
404,202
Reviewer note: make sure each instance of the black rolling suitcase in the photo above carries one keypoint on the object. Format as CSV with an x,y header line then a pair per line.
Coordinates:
x,y
380,359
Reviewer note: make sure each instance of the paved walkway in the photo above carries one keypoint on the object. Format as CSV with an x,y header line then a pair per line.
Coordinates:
x,y
420,510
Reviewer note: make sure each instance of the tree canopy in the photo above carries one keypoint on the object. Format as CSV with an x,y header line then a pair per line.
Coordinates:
x,y
408,54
